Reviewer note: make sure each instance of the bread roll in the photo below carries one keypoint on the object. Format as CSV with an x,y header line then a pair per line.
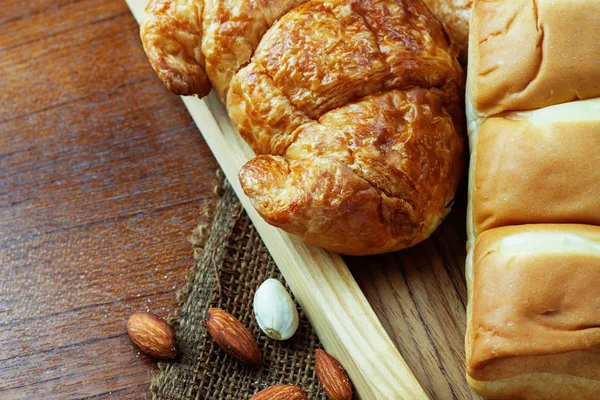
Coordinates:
x,y
353,106
535,312
529,54
539,166
533,264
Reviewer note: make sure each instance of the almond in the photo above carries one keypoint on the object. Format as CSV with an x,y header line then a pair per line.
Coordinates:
x,y
332,376
152,335
280,392
232,336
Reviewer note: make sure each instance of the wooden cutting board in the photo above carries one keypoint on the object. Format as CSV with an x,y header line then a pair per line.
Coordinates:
x,y
395,322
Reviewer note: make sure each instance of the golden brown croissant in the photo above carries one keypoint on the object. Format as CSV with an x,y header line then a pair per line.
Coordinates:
x,y
354,107
455,15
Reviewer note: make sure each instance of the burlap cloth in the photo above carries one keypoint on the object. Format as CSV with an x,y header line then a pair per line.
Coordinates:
x,y
232,262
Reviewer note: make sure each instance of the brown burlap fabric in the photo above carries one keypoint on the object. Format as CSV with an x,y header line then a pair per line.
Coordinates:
x,y
232,263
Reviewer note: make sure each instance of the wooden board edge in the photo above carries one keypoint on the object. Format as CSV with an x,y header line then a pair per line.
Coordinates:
x,y
320,280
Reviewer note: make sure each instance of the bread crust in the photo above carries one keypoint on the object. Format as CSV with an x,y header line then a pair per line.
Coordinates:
x,y
533,263
354,108
455,16
529,54
384,167
171,34
548,172
537,301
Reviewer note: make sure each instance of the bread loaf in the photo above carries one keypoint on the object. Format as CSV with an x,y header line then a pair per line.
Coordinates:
x,y
354,108
533,266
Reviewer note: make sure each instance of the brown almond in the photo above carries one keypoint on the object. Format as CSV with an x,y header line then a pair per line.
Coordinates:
x,y
280,392
332,376
152,335
232,336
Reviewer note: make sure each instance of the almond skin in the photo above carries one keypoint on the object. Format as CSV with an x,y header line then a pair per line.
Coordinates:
x,y
232,336
332,376
280,392
152,335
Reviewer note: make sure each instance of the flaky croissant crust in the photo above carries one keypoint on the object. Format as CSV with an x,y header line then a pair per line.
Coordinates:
x,y
353,105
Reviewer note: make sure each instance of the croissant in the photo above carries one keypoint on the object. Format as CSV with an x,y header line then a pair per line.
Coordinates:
x,y
353,107
455,16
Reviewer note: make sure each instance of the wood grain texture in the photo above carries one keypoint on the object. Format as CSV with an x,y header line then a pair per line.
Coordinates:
x,y
102,174
420,297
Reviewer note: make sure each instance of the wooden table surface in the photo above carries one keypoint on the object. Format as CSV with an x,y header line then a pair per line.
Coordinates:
x,y
103,176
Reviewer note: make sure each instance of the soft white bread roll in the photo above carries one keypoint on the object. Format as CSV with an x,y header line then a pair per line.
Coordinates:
x,y
533,264
534,327
530,54
540,166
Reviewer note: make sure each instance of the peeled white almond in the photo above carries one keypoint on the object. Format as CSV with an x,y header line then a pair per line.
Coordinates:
x,y
275,310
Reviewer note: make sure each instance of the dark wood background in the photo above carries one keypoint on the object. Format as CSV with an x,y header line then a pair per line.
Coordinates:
x,y
103,176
